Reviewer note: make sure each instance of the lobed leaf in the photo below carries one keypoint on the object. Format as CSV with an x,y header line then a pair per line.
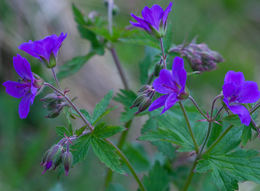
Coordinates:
x,y
73,66
107,154
104,131
80,148
157,179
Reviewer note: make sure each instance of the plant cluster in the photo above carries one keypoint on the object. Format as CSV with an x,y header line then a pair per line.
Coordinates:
x,y
212,141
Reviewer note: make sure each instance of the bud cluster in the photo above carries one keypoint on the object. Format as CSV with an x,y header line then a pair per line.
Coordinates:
x,y
57,155
54,104
144,98
200,57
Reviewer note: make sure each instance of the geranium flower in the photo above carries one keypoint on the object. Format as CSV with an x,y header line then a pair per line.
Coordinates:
x,y
171,84
45,49
26,88
154,19
236,92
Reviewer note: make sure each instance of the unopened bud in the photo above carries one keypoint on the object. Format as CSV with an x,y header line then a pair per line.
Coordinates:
x,y
54,103
138,101
144,99
67,160
144,105
200,57
51,157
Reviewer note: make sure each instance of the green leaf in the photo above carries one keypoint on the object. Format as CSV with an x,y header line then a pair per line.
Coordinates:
x,y
85,32
172,128
232,120
149,125
86,114
61,131
165,148
101,108
126,98
74,65
78,16
246,134
79,131
107,154
116,187
137,156
80,148
157,179
227,169
104,131
141,38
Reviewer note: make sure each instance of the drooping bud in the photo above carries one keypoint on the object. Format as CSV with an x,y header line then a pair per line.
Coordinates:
x,y
52,157
54,103
200,57
144,98
67,160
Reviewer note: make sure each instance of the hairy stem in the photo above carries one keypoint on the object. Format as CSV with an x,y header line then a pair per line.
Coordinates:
x,y
196,105
55,78
163,54
71,103
218,139
123,157
189,127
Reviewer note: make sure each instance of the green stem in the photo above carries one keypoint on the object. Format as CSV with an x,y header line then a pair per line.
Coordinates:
x,y
188,181
163,54
120,145
123,157
189,127
186,186
196,105
218,139
55,78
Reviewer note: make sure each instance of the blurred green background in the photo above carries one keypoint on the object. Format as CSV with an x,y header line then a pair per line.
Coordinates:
x,y
231,27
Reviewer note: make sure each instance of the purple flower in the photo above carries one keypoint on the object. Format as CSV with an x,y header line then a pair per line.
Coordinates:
x,y
26,88
44,49
172,84
236,92
154,19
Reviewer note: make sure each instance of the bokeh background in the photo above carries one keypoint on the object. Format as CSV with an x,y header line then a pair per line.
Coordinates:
x,y
231,27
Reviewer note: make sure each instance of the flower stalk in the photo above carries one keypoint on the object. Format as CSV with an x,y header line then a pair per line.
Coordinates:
x,y
189,127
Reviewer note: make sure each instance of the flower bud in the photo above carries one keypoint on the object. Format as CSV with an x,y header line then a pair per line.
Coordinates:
x,y
200,57
52,157
144,98
54,103
67,160
144,105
